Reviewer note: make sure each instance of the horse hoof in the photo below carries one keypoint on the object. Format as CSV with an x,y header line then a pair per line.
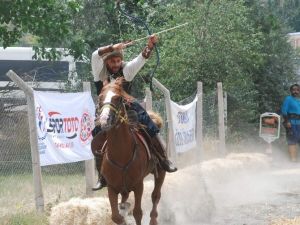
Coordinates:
x,y
153,222
119,220
125,206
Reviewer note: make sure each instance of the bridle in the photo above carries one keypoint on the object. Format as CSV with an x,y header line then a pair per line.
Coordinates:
x,y
117,110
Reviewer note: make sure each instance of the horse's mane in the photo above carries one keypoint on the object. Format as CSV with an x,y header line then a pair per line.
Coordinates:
x,y
117,88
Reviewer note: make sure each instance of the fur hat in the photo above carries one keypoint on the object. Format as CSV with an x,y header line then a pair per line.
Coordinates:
x,y
115,53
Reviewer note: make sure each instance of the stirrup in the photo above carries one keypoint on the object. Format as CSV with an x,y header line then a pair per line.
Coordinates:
x,y
167,165
101,183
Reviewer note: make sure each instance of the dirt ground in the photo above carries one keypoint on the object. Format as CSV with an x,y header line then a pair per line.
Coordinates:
x,y
267,195
240,189
245,189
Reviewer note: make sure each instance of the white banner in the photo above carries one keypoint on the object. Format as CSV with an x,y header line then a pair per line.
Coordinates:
x,y
184,125
64,123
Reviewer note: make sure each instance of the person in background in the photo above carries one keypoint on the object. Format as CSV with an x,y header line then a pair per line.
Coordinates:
x,y
108,65
290,111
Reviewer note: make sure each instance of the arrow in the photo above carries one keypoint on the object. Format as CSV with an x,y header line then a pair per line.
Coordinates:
x,y
160,32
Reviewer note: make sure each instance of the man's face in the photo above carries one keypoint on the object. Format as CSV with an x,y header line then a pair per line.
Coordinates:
x,y
114,64
295,91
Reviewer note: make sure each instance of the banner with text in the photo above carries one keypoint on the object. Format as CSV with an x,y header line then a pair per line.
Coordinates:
x,y
184,125
64,123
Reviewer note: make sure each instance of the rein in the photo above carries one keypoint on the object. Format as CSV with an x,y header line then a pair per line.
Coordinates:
x,y
116,110
125,168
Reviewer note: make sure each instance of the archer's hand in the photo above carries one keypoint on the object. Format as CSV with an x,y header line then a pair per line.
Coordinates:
x,y
153,39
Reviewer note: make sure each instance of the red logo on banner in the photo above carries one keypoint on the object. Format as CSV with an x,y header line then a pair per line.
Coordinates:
x,y
86,127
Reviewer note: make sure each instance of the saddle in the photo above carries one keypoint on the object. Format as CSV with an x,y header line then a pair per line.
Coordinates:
x,y
99,141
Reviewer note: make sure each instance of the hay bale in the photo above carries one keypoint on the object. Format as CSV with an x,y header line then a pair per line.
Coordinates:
x,y
184,200
283,221
156,118
76,211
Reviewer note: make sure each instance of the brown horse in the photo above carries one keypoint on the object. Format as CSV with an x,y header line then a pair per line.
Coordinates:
x,y
126,161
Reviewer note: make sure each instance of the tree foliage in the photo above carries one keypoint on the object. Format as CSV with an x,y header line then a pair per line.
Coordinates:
x,y
241,43
49,20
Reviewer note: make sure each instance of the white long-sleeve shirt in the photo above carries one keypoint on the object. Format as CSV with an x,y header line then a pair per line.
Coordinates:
x,y
130,69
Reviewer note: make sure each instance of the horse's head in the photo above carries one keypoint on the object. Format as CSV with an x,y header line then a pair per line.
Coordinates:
x,y
112,101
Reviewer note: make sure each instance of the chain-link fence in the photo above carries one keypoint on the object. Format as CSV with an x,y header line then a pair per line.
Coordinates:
x,y
59,182
242,128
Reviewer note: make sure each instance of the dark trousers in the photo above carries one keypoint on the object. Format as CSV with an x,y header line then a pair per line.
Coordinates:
x,y
144,118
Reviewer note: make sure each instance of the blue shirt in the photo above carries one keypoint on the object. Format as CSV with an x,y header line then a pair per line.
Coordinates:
x,y
291,105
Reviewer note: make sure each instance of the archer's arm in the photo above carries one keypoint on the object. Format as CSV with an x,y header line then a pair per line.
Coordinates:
x,y
134,66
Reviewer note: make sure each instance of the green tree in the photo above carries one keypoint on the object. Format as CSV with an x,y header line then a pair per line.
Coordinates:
x,y
288,11
48,20
276,70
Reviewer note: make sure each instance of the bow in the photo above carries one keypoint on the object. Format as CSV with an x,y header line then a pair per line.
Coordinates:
x,y
137,20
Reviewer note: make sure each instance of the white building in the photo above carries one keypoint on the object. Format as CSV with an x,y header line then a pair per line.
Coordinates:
x,y
38,73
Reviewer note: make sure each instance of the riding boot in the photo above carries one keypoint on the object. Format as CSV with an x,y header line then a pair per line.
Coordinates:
x,y
160,151
101,183
99,138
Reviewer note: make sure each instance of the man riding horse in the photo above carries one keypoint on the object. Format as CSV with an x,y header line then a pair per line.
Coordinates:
x,y
107,65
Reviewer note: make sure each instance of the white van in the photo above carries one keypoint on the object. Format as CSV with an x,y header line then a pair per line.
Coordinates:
x,y
42,74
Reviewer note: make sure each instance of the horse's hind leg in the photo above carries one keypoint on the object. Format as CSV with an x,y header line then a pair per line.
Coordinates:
x,y
115,215
158,182
137,210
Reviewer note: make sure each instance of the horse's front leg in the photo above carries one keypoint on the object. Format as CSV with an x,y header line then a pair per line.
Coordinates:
x,y
124,204
115,215
137,211
158,182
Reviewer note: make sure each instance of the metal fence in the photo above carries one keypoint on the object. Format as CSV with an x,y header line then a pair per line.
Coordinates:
x,y
60,182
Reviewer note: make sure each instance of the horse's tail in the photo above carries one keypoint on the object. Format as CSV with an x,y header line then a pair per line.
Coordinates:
x,y
156,119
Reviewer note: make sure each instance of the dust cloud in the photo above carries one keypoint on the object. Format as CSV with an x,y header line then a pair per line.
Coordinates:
x,y
239,189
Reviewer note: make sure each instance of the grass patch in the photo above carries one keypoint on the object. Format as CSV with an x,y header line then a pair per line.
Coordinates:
x,y
17,192
25,219
17,196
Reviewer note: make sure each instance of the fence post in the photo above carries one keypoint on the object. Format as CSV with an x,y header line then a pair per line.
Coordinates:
x,y
89,164
170,141
35,157
148,99
225,112
222,145
199,119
